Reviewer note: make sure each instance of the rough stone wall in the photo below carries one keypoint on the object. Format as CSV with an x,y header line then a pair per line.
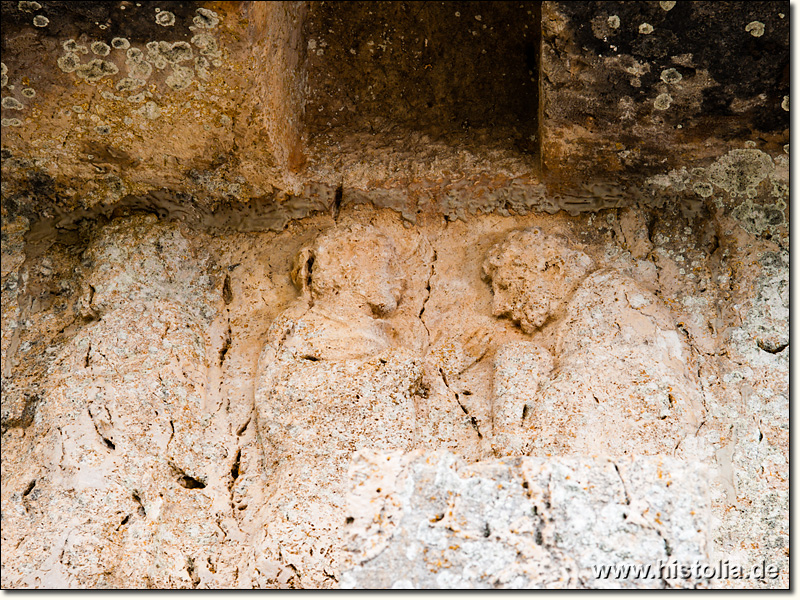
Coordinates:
x,y
426,521
219,316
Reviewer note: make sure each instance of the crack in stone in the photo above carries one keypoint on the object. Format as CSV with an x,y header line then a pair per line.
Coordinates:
x,y
336,206
109,444
226,344
428,296
472,419
624,486
667,548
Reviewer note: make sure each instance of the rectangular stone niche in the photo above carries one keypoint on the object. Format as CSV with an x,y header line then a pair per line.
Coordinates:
x,y
461,73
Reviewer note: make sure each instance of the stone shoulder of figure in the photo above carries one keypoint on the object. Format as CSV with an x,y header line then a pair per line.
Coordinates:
x,y
460,347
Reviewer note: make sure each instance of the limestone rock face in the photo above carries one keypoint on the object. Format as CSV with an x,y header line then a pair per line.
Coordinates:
x,y
268,267
201,412
427,521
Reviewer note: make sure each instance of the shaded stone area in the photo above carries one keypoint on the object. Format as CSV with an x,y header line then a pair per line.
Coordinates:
x,y
134,21
440,68
621,81
448,108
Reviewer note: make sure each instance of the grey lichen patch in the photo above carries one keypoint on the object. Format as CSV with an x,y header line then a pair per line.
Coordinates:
x,y
207,44
154,56
128,84
14,122
12,104
116,187
703,189
662,102
163,53
150,111
758,218
780,177
120,43
72,46
180,78
740,171
165,18
645,29
109,96
100,48
755,28
785,103
103,129
201,66
3,74
28,92
671,76
138,68
137,98
134,54
667,6
96,69
675,180
40,21
613,22
207,19
69,62
178,52
28,6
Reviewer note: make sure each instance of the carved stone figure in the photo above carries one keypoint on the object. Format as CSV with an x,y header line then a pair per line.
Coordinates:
x,y
114,487
619,378
340,372
331,380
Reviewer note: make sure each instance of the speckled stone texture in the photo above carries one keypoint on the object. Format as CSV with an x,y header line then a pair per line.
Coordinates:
x,y
429,521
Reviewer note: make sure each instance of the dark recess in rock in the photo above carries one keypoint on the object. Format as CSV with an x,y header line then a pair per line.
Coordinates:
x,y
442,68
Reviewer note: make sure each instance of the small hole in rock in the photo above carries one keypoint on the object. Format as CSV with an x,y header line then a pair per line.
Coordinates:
x,y
190,483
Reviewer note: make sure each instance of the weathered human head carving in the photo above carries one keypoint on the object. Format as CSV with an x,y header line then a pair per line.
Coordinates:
x,y
531,273
357,260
